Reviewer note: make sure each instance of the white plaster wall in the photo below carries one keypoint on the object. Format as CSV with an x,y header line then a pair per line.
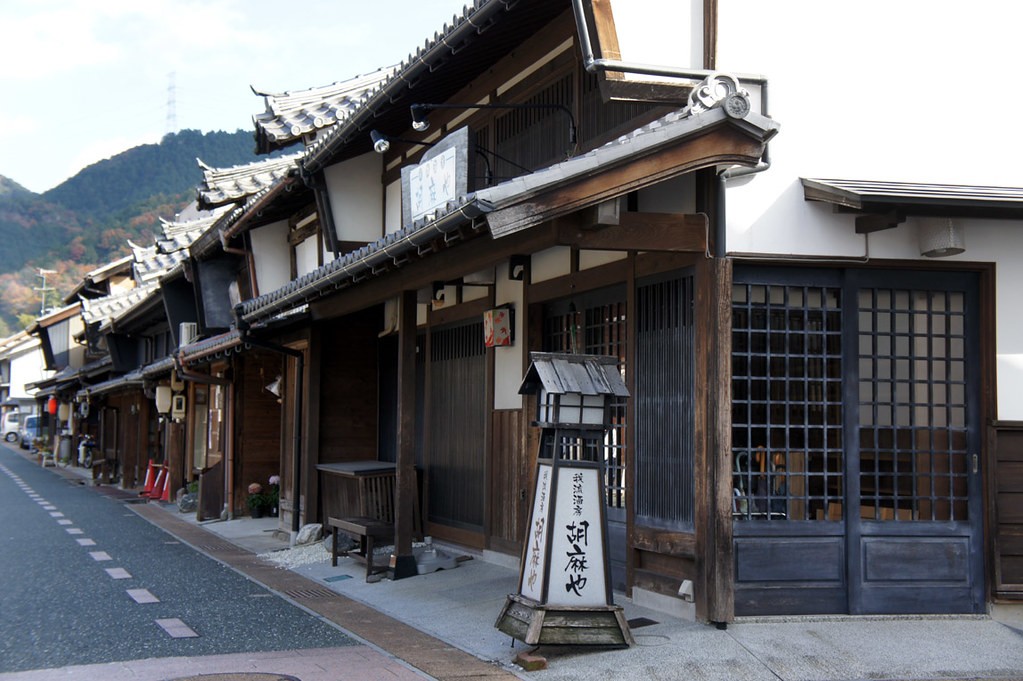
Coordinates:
x,y
271,255
878,90
392,212
27,366
590,259
356,197
675,37
307,256
508,361
550,264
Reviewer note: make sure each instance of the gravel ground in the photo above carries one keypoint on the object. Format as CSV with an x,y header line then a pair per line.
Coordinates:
x,y
296,556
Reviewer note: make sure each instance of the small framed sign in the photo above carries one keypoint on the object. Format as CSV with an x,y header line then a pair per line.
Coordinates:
x,y
440,178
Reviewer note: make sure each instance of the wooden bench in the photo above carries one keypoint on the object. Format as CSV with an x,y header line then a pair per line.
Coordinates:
x,y
366,508
368,531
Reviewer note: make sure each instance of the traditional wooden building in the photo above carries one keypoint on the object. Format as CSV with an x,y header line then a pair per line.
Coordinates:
x,y
821,416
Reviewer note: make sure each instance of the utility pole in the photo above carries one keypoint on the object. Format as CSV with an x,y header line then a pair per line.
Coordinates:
x,y
43,289
172,108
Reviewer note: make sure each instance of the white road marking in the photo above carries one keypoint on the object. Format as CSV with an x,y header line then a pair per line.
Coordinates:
x,y
176,628
142,596
86,542
118,573
74,530
100,555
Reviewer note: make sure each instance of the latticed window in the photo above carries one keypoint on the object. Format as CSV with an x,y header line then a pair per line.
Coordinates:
x,y
787,402
912,405
596,327
664,403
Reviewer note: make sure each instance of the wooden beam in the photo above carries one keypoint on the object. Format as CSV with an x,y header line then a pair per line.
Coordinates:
x,y
874,222
471,256
640,232
721,145
403,562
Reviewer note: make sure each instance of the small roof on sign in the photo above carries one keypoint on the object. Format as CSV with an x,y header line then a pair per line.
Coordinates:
x,y
562,373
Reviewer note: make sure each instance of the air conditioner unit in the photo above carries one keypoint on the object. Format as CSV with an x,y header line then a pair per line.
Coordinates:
x,y
187,331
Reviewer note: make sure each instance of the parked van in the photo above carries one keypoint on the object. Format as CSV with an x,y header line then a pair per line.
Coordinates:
x,y
30,430
10,426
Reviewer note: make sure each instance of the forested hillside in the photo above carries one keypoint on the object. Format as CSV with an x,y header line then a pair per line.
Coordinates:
x,y
87,220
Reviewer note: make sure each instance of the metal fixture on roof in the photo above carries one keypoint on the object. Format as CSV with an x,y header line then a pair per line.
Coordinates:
x,y
421,123
382,142
941,237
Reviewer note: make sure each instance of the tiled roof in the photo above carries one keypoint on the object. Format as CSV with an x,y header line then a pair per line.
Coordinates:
x,y
221,186
915,198
210,347
129,380
104,309
234,218
669,129
477,18
292,114
561,373
180,235
397,247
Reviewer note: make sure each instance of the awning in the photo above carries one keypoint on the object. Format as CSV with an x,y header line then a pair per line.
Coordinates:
x,y
882,205
210,348
130,380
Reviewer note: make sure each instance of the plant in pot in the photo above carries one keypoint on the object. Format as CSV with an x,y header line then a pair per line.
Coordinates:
x,y
273,495
259,503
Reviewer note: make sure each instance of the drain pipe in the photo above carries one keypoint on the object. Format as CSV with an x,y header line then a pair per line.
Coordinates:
x,y
296,453
593,65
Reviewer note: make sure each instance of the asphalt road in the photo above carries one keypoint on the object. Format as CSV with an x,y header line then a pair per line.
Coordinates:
x,y
74,565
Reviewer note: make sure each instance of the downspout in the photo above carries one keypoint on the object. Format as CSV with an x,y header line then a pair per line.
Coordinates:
x,y
593,65
296,453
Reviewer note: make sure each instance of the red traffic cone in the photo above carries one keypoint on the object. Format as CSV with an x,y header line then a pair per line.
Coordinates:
x,y
165,496
157,489
150,479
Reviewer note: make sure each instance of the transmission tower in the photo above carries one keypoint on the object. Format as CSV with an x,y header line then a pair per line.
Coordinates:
x,y
172,107
44,289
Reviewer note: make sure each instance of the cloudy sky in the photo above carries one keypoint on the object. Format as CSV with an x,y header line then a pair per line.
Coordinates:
x,y
83,80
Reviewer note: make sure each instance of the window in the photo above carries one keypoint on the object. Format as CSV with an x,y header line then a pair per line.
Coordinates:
x,y
787,402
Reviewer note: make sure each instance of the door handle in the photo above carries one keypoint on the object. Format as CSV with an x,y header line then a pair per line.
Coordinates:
x,y
975,462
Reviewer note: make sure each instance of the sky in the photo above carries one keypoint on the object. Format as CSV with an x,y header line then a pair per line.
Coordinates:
x,y
83,80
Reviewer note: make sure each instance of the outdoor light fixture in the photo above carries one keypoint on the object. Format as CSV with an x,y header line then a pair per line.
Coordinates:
x,y
380,141
420,113
163,399
274,388
940,238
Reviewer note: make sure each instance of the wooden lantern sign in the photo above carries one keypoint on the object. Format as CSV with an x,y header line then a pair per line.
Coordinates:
x,y
564,594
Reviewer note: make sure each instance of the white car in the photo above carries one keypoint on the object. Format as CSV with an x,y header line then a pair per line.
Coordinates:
x,y
11,425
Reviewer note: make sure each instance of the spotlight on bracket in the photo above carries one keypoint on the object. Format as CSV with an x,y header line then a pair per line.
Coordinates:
x,y
380,142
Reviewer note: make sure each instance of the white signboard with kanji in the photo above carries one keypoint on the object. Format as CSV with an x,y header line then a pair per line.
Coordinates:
x,y
532,577
577,541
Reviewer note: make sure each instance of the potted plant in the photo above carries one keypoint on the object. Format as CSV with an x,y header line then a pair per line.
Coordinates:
x,y
259,503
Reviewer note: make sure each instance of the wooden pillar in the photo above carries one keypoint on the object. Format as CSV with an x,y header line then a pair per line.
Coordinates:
x,y
403,562
715,575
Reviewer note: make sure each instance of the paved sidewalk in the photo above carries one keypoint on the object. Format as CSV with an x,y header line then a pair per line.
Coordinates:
x,y
460,606
442,624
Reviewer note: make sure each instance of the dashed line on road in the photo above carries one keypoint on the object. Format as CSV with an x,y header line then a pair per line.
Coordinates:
x,y
118,573
142,596
65,521
100,555
175,628
74,530
86,542
56,514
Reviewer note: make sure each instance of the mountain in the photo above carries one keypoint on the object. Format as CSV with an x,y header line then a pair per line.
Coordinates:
x,y
87,220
